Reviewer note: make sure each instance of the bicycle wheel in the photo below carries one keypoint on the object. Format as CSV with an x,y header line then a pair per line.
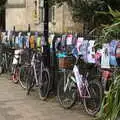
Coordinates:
x,y
30,80
4,64
67,98
1,65
23,76
15,74
44,84
92,105
10,60
1,69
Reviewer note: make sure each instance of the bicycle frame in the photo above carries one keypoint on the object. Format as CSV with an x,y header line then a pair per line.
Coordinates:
x,y
33,64
82,83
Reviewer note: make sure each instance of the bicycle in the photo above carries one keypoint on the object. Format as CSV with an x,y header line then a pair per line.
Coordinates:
x,y
75,84
23,70
19,69
3,59
16,65
23,74
38,75
10,55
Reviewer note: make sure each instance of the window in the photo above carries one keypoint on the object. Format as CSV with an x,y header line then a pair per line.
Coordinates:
x,y
51,14
41,14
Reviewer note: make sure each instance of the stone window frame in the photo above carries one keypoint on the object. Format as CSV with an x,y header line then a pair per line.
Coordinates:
x,y
8,5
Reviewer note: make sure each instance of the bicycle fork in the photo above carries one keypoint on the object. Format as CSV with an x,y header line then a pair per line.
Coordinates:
x,y
34,69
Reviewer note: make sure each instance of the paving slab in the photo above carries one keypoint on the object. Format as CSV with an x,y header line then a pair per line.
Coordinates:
x,y
15,105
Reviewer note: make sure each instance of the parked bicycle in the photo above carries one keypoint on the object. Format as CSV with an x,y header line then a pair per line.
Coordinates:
x,y
10,55
75,84
6,56
38,75
24,67
16,66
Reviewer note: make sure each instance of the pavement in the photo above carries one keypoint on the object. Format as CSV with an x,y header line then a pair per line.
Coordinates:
x,y
15,105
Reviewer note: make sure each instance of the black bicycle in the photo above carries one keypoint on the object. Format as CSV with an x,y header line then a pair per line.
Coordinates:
x,y
24,68
10,55
3,58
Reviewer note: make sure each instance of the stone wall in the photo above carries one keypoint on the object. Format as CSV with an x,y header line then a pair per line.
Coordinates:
x,y
20,17
16,17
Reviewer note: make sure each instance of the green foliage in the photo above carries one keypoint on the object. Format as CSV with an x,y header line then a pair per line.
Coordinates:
x,y
111,31
110,108
85,10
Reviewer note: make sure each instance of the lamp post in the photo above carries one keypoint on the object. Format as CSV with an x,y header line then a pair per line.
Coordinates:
x,y
46,48
46,20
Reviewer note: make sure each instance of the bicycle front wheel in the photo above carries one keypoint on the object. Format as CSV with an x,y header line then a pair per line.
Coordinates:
x,y
44,84
92,105
23,76
30,80
10,64
1,69
67,91
15,74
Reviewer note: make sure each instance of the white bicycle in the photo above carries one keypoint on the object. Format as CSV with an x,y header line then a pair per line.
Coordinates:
x,y
75,84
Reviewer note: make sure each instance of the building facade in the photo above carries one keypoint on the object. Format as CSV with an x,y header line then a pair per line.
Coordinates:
x,y
20,13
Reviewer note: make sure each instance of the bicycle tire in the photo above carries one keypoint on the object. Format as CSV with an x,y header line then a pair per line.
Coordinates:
x,y
4,65
15,74
1,69
44,85
22,77
30,80
95,88
1,63
72,94
9,69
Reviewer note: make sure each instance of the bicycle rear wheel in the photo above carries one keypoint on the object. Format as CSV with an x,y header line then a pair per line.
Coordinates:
x,y
15,74
30,80
92,105
67,98
44,84
10,60
23,76
1,69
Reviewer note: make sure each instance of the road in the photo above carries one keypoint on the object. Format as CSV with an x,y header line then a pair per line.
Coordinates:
x,y
15,105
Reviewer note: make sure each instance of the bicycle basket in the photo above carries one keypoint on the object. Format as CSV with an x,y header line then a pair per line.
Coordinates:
x,y
66,62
